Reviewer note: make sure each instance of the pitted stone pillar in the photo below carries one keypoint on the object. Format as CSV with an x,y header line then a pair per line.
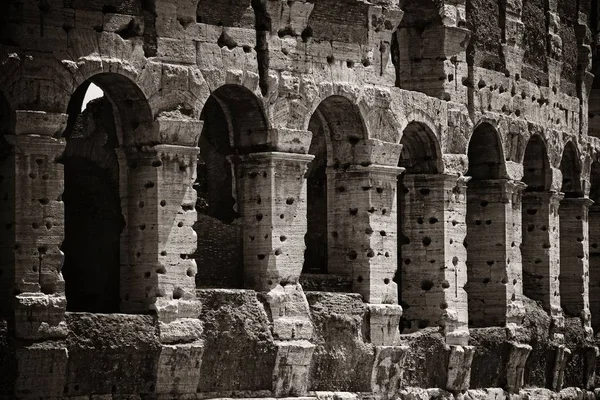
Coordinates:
x,y
32,230
594,265
362,224
495,281
433,265
272,201
159,235
574,257
541,249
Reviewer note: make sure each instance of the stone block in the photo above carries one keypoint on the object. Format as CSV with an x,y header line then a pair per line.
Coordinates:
x,y
384,320
39,316
459,368
290,375
515,367
386,377
42,370
289,313
178,370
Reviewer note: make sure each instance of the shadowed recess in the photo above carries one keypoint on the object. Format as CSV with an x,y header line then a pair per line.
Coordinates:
x,y
570,166
219,251
537,174
420,150
485,154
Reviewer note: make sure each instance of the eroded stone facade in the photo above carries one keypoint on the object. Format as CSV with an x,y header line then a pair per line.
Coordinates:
x,y
333,199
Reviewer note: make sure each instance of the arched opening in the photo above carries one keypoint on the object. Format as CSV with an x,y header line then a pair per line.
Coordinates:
x,y
315,255
7,209
574,233
233,123
95,197
420,216
491,282
337,130
570,167
594,240
540,222
416,50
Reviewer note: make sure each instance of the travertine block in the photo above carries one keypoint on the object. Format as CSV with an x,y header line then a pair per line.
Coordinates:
x,y
290,374
42,371
386,378
178,369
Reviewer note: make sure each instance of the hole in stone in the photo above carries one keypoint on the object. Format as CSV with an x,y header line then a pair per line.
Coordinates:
x,y
488,221
177,293
259,217
370,254
477,222
530,228
163,203
163,253
426,285
142,227
289,201
156,163
371,210
352,255
282,238
282,216
484,203
532,211
454,222
147,274
485,281
379,190
386,281
382,233
433,220
443,305
359,279
353,211
424,191
180,224
426,241
190,272
419,220
384,211
490,263
407,261
369,231
445,284
455,261
537,261
260,256
141,204
278,252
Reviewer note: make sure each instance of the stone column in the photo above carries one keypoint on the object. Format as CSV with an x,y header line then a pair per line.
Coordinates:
x,y
541,249
159,235
362,229
495,281
31,284
594,265
433,265
574,257
272,200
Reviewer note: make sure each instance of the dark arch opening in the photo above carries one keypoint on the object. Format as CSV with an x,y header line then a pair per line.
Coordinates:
x,y
233,123
537,174
594,240
316,253
485,154
7,208
570,166
420,157
94,218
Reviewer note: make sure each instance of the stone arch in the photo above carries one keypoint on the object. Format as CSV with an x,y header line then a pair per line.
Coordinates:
x,y
594,240
233,123
570,167
487,220
338,131
537,172
96,195
485,153
421,152
539,218
417,219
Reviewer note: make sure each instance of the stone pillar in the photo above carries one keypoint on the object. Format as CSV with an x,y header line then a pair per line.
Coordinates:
x,y
362,229
272,201
159,235
541,249
433,265
594,265
574,258
495,281
32,229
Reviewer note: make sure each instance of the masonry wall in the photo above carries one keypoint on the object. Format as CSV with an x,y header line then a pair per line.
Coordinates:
x,y
247,199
